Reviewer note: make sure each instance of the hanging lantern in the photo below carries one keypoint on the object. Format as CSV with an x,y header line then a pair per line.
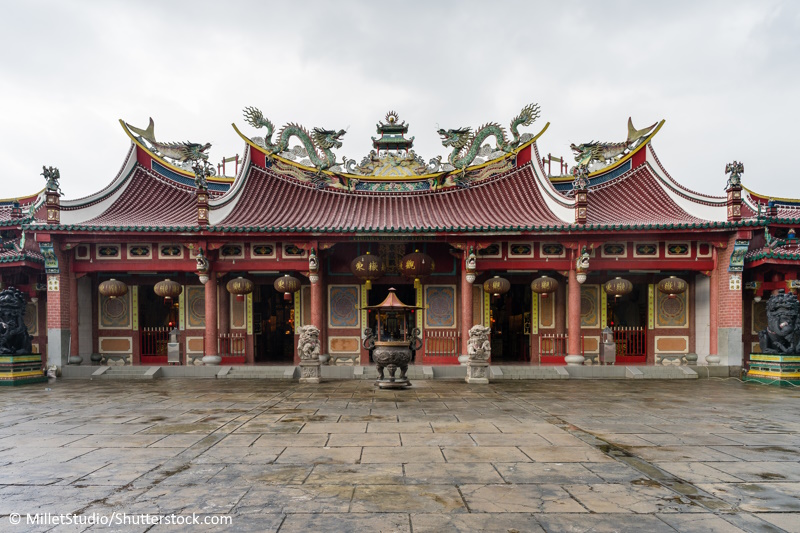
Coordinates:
x,y
618,287
496,286
287,285
168,289
113,288
367,268
240,287
544,286
672,286
416,266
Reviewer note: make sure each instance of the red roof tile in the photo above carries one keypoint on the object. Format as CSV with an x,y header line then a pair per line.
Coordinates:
x,y
272,201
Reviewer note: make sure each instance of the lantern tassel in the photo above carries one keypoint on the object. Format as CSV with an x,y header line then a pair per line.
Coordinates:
x,y
368,284
287,296
417,283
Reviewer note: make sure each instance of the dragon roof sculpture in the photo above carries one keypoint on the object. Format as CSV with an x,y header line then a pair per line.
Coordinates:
x,y
317,146
181,152
601,154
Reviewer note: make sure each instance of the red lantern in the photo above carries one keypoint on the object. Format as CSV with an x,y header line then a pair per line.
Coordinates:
x,y
367,268
496,286
672,286
416,266
287,285
618,287
240,287
168,289
544,286
113,288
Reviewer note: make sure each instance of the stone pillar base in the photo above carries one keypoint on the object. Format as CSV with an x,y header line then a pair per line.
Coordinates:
x,y
476,372
713,360
462,360
310,371
212,360
574,360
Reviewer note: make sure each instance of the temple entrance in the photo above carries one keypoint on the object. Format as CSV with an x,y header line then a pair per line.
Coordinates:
x,y
510,335
273,326
405,292
627,318
157,317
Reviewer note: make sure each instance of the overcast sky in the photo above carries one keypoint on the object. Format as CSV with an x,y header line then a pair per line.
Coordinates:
x,y
723,74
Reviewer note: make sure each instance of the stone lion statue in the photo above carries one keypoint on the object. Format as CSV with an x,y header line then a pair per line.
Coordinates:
x,y
479,348
781,335
308,345
14,336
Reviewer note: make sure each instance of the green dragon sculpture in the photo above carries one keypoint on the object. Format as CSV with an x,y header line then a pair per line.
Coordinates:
x,y
320,140
467,144
181,152
606,153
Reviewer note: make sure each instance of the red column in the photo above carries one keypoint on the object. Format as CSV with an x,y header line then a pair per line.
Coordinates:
x,y
73,317
561,309
713,307
466,309
58,310
574,339
224,310
210,348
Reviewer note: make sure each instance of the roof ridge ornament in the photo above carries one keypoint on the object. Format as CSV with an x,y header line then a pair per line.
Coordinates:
x,y
318,144
599,155
467,145
735,169
181,152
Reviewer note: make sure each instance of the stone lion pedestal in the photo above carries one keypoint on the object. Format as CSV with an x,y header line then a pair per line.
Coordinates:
x,y
479,350
308,351
778,363
18,364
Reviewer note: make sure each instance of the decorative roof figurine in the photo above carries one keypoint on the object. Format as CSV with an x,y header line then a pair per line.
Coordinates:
x,y
467,145
393,154
201,173
735,169
182,152
581,182
600,154
320,140
392,134
52,175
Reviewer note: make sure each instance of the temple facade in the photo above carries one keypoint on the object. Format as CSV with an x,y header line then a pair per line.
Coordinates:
x,y
546,254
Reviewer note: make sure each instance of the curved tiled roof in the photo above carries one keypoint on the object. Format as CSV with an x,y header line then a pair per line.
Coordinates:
x,y
510,201
149,200
635,198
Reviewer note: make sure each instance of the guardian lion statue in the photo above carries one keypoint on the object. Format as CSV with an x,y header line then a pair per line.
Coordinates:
x,y
14,336
308,344
781,335
479,348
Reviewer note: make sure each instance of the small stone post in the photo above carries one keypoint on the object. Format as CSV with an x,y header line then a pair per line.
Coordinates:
x,y
479,351
308,351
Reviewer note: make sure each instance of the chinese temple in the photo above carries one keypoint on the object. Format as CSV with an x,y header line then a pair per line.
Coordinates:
x,y
547,254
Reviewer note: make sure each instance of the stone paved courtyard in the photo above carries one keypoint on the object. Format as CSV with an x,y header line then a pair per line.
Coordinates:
x,y
706,455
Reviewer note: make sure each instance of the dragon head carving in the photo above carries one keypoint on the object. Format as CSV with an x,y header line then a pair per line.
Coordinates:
x,y
327,139
457,138
782,313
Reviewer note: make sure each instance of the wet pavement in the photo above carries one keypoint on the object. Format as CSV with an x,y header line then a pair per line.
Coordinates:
x,y
707,455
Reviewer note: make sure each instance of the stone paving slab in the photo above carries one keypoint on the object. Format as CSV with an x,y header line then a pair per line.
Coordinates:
x,y
707,455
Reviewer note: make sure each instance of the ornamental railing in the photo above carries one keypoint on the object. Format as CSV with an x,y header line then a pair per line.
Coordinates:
x,y
631,342
153,341
555,344
231,345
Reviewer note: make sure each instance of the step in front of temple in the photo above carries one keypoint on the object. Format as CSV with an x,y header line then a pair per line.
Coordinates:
x,y
415,372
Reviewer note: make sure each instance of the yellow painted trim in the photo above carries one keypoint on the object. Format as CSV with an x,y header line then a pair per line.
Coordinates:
x,y
249,314
181,308
775,358
25,374
419,303
487,310
383,178
768,374
167,164
603,307
534,313
26,197
768,197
